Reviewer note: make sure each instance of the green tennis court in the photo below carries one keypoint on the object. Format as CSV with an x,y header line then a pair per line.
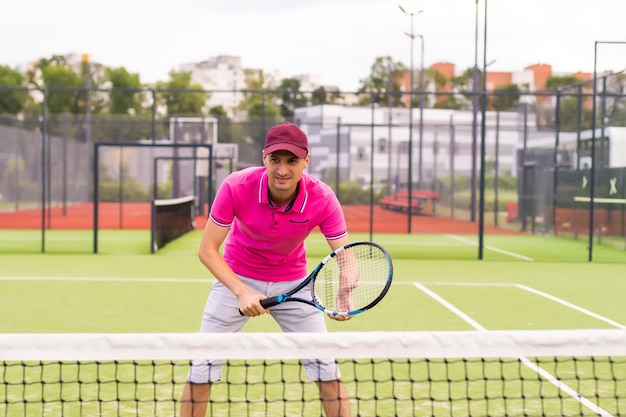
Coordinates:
x,y
438,286
127,289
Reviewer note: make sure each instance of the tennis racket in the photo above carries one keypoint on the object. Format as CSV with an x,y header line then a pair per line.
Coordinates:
x,y
350,280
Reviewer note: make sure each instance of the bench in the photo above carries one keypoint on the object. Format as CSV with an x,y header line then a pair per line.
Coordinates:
x,y
422,201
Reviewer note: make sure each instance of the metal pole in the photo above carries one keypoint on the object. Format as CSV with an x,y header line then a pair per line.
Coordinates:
x,y
452,152
372,144
44,150
474,120
593,150
593,142
154,111
337,159
389,121
411,35
496,169
420,177
483,131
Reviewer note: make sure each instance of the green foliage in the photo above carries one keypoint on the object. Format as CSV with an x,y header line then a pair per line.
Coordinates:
x,y
381,86
129,190
569,115
290,97
218,112
181,96
321,96
554,81
124,102
11,101
356,194
507,190
57,79
16,184
506,98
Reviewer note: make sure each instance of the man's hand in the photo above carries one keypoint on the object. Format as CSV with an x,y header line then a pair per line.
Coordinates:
x,y
249,304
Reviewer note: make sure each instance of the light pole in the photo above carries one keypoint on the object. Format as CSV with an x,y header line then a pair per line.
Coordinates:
x,y
421,141
592,169
483,133
474,119
411,35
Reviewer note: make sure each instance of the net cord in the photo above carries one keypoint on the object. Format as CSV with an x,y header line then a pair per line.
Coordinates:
x,y
439,344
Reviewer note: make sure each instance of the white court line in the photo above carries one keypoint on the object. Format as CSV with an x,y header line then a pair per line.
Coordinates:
x,y
491,248
106,279
570,305
451,307
549,377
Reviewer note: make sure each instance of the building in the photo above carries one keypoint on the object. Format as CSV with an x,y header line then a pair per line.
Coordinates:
x,y
224,76
532,78
356,142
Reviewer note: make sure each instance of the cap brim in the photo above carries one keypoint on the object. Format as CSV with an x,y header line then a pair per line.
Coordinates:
x,y
289,147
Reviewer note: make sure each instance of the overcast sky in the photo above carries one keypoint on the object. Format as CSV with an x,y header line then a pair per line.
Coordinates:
x,y
335,40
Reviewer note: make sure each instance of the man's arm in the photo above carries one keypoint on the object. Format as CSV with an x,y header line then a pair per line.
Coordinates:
x,y
344,295
209,254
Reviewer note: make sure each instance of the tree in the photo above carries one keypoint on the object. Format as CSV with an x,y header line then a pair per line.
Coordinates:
x,y
381,86
181,96
256,102
63,83
12,100
464,84
616,107
290,97
569,118
218,112
506,98
124,98
321,96
555,82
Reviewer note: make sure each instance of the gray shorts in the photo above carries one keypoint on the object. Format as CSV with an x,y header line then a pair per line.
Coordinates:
x,y
221,315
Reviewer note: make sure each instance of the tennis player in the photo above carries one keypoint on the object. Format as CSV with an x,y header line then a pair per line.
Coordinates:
x,y
262,216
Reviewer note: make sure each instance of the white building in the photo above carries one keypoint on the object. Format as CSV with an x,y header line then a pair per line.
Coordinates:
x,y
224,76
342,138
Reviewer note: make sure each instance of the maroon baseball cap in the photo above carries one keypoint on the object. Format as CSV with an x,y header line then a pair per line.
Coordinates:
x,y
287,137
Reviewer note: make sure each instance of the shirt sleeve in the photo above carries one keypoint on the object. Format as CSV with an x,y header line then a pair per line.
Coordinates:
x,y
333,226
223,207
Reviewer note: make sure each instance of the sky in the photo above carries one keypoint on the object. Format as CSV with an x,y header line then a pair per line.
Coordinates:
x,y
336,41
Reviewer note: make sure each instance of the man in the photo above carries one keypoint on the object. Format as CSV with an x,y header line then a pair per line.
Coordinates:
x,y
263,216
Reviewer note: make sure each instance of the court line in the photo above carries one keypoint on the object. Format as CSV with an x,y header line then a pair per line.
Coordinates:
x,y
549,377
570,305
491,248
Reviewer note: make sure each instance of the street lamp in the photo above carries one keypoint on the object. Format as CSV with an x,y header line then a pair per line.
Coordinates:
x,y
412,36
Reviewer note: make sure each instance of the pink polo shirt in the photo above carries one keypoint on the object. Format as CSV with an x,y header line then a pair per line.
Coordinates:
x,y
267,242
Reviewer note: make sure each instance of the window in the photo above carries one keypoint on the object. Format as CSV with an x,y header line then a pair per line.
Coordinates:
x,y
382,145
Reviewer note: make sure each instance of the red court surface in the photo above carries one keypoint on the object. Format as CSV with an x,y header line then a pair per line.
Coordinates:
x,y
137,216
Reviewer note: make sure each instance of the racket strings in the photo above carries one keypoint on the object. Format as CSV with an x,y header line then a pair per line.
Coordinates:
x,y
353,279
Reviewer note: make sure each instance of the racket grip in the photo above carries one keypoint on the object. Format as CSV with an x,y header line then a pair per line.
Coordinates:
x,y
270,302
267,303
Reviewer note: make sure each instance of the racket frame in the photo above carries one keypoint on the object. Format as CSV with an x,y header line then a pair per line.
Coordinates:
x,y
314,301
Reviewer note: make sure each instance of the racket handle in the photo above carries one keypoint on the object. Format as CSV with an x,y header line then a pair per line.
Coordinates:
x,y
267,303
270,302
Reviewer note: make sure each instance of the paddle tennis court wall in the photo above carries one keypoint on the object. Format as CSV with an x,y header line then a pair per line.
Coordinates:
x,y
129,177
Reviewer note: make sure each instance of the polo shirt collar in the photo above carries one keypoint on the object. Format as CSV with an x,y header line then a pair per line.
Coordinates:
x,y
298,204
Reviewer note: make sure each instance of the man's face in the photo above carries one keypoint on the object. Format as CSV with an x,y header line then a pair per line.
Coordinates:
x,y
284,170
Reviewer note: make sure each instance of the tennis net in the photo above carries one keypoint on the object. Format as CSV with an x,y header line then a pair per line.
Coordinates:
x,y
172,218
495,373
